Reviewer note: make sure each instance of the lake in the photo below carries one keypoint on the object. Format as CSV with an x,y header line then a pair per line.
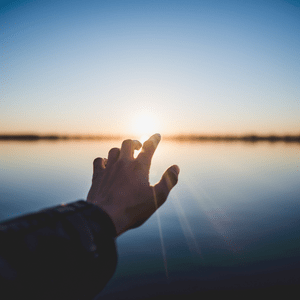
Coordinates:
x,y
231,223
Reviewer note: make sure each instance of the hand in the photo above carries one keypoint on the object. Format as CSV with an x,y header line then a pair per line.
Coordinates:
x,y
120,184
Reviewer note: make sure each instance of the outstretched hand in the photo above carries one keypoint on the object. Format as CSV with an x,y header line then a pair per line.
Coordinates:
x,y
120,184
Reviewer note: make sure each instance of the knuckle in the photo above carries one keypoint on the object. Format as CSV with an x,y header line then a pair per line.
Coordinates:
x,y
120,164
161,195
139,165
171,179
149,144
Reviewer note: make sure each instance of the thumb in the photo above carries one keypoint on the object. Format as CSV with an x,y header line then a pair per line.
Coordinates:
x,y
164,186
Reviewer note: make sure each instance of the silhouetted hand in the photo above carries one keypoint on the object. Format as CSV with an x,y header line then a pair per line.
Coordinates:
x,y
120,184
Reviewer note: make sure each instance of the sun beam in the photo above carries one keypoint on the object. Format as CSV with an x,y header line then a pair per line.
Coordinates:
x,y
144,125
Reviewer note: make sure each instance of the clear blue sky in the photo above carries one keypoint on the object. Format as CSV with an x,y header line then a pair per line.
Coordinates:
x,y
177,66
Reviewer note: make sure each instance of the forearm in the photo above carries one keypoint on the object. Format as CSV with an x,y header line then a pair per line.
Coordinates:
x,y
67,252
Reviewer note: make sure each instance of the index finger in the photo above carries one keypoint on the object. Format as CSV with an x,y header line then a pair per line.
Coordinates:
x,y
148,149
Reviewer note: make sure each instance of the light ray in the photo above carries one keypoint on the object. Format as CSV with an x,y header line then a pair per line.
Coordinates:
x,y
161,236
217,216
186,228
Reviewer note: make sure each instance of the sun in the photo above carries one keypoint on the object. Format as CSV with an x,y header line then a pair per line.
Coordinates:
x,y
144,125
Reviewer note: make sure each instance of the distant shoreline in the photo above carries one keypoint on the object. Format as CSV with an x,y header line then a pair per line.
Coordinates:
x,y
36,137
179,138
244,138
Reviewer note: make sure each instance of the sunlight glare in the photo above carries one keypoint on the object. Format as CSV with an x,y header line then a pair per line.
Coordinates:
x,y
145,124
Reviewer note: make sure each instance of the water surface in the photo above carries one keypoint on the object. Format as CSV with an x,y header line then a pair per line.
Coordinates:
x,y
232,221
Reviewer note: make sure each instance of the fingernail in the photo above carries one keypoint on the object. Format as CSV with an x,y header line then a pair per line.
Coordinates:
x,y
176,168
137,143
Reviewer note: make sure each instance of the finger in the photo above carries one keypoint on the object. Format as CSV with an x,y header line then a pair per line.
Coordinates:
x,y
113,156
164,186
148,150
105,162
128,147
98,166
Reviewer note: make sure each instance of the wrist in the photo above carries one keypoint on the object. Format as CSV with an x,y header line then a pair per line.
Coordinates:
x,y
118,218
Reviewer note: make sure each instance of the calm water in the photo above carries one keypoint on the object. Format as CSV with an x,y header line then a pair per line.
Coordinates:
x,y
233,220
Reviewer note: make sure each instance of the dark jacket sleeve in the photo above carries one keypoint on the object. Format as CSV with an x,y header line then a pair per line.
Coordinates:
x,y
65,252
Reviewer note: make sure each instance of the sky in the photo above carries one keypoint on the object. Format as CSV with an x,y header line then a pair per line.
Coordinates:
x,y
140,67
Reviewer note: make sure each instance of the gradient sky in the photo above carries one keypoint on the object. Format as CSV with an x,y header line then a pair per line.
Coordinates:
x,y
111,67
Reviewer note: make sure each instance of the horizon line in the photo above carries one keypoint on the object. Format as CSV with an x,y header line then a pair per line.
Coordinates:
x,y
178,137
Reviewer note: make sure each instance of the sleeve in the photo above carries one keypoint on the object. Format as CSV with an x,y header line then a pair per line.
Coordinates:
x,y
65,252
